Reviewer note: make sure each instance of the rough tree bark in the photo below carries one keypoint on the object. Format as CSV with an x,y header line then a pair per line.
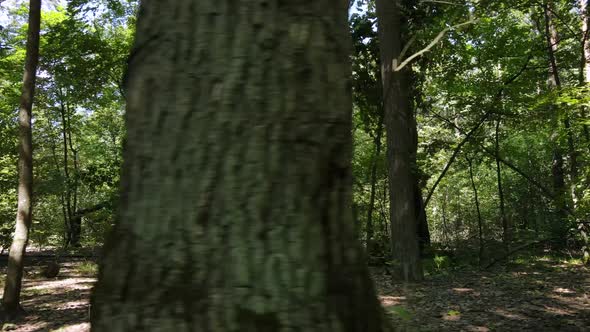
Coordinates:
x,y
12,287
235,212
398,123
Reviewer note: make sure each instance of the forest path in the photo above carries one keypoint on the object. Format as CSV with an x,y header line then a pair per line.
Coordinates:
x,y
56,304
544,294
541,295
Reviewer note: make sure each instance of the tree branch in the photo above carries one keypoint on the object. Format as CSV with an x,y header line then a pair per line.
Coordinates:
x,y
435,41
481,121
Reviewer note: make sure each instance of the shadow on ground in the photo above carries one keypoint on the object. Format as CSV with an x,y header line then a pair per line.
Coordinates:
x,y
544,295
547,295
57,304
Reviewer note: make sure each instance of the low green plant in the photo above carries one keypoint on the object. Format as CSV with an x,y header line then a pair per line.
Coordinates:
x,y
87,268
401,312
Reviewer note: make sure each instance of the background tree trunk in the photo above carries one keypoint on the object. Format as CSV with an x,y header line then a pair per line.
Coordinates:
x,y
479,220
506,231
236,199
377,141
583,228
419,206
557,168
398,119
14,274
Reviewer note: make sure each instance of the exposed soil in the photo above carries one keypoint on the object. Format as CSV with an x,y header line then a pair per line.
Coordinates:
x,y
547,295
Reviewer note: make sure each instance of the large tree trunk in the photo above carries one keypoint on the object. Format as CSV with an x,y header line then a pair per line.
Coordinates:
x,y
235,211
398,122
14,274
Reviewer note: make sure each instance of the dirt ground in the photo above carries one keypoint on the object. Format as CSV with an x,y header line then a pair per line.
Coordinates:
x,y
546,295
58,304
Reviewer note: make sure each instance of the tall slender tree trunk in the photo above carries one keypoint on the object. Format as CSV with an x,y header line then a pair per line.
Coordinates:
x,y
235,212
479,220
377,141
446,232
584,228
585,72
506,231
557,169
555,81
14,274
423,229
75,218
385,229
72,223
398,122
67,181
419,206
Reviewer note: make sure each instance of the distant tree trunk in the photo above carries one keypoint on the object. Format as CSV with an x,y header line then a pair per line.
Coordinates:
x,y
423,230
584,228
506,232
585,72
62,198
235,210
479,220
14,274
556,82
377,141
446,232
419,206
72,223
76,220
398,122
557,169
385,229
67,182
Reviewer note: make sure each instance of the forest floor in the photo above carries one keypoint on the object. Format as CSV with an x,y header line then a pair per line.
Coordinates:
x,y
536,294
541,294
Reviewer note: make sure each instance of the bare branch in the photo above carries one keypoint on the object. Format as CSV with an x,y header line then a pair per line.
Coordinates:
x,y
429,46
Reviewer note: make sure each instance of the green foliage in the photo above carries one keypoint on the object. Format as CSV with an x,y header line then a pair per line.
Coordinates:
x,y
401,312
459,81
84,48
79,93
453,313
87,268
436,265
